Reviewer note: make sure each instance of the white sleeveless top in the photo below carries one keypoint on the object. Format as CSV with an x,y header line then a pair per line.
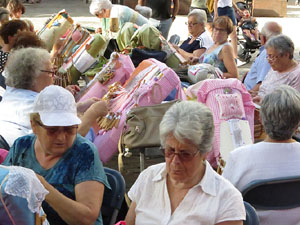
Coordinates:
x,y
224,3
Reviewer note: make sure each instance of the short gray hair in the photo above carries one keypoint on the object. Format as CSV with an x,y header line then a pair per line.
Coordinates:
x,y
98,5
24,66
280,112
189,120
199,14
271,29
281,44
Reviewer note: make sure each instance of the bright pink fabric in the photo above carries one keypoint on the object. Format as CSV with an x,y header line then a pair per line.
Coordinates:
x,y
121,74
146,94
207,94
3,154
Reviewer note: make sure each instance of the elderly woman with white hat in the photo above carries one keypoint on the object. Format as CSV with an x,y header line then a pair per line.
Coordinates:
x,y
68,165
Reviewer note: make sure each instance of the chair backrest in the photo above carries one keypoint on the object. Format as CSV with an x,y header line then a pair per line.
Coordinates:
x,y
112,198
251,216
273,194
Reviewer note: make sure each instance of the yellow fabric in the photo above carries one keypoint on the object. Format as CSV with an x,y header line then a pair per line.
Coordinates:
x,y
210,5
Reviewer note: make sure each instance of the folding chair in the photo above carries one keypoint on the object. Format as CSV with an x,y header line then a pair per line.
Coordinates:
x,y
273,194
251,216
112,199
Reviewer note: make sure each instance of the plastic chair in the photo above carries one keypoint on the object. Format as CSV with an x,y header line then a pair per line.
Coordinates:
x,y
273,194
112,199
251,216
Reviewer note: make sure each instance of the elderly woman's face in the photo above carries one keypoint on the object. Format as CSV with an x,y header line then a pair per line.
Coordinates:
x,y
277,60
219,34
54,140
194,26
184,162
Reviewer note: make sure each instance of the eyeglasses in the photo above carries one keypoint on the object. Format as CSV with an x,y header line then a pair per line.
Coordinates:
x,y
271,57
183,155
51,131
52,72
191,24
219,29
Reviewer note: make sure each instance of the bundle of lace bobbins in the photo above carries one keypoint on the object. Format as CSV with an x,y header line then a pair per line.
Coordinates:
x,y
112,118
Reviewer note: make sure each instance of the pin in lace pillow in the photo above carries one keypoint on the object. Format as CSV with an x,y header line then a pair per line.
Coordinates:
x,y
231,106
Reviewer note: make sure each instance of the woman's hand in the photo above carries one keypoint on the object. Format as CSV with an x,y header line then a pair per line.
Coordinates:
x,y
193,60
83,106
97,110
73,89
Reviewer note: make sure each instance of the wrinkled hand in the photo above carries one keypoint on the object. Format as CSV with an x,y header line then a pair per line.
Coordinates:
x,y
253,93
83,106
176,47
96,110
98,30
73,89
193,60
257,99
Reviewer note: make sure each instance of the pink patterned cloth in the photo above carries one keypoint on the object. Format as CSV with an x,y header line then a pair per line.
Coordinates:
x,y
3,154
243,105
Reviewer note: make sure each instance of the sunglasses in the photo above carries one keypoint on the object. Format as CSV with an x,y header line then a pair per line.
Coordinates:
x,y
51,131
184,156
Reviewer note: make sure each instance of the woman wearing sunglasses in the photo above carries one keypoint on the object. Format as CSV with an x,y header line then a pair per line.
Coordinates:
x,y
66,163
185,189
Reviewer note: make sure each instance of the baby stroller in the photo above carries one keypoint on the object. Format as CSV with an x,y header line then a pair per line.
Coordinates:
x,y
246,45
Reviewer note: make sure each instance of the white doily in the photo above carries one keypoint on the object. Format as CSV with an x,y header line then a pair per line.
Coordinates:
x,y
23,182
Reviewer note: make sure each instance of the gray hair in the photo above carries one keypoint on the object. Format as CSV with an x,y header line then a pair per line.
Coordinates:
x,y
24,66
200,15
98,5
281,44
189,120
280,112
271,29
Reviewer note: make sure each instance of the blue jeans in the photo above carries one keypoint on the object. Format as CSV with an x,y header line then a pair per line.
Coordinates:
x,y
228,11
163,26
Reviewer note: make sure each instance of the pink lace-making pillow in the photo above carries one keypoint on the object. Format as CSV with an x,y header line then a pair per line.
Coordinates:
x,y
231,106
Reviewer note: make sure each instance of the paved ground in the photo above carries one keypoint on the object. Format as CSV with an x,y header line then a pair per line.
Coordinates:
x,y
79,11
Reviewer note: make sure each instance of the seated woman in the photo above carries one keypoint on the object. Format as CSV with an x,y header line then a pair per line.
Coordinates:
x,y
29,70
277,156
200,39
105,9
284,68
220,54
186,187
67,165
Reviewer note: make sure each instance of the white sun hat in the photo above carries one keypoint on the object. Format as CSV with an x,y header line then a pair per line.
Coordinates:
x,y
56,107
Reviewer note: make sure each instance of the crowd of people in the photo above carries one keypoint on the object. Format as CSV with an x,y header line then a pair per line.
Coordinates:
x,y
44,129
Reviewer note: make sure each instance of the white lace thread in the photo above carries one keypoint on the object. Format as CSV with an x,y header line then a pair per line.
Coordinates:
x,y
24,183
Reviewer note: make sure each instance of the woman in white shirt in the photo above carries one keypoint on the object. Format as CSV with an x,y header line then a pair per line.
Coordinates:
x,y
185,189
277,156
